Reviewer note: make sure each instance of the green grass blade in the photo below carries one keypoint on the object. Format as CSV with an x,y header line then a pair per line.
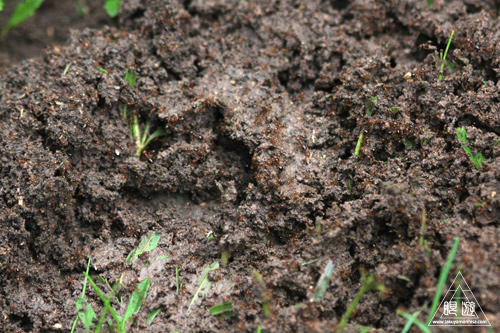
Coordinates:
x,y
131,76
79,302
413,319
1,5
135,131
462,135
87,317
144,139
23,11
443,58
204,283
368,284
159,132
442,279
146,245
363,329
221,309
105,300
478,159
134,305
153,242
324,281
360,142
178,280
151,316
112,7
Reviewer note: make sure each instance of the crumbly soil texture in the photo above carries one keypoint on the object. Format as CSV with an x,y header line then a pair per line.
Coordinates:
x,y
297,135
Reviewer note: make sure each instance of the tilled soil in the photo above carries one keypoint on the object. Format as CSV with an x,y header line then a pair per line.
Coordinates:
x,y
263,104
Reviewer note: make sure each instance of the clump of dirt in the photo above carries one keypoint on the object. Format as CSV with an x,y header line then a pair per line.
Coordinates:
x,y
263,105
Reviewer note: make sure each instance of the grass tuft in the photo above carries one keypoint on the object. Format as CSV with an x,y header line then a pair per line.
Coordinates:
x,y
87,315
476,159
143,140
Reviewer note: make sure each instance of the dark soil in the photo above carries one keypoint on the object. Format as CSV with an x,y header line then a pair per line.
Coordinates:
x,y
263,103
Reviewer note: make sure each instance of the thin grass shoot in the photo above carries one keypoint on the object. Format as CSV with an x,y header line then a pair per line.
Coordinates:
x,y
442,56
204,285
367,284
222,310
152,315
360,142
442,279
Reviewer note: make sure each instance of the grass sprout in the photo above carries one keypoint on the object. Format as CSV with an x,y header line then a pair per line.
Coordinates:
x,y
324,281
112,7
476,159
147,244
442,279
412,319
178,281
131,76
224,257
222,310
100,69
204,285
86,315
310,262
134,305
360,142
23,11
368,283
143,140
442,56
151,316
265,297
370,102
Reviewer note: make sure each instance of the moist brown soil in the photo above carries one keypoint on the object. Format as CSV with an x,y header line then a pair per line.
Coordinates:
x,y
263,103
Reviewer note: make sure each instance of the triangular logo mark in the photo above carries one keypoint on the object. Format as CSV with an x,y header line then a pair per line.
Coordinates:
x,y
459,307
